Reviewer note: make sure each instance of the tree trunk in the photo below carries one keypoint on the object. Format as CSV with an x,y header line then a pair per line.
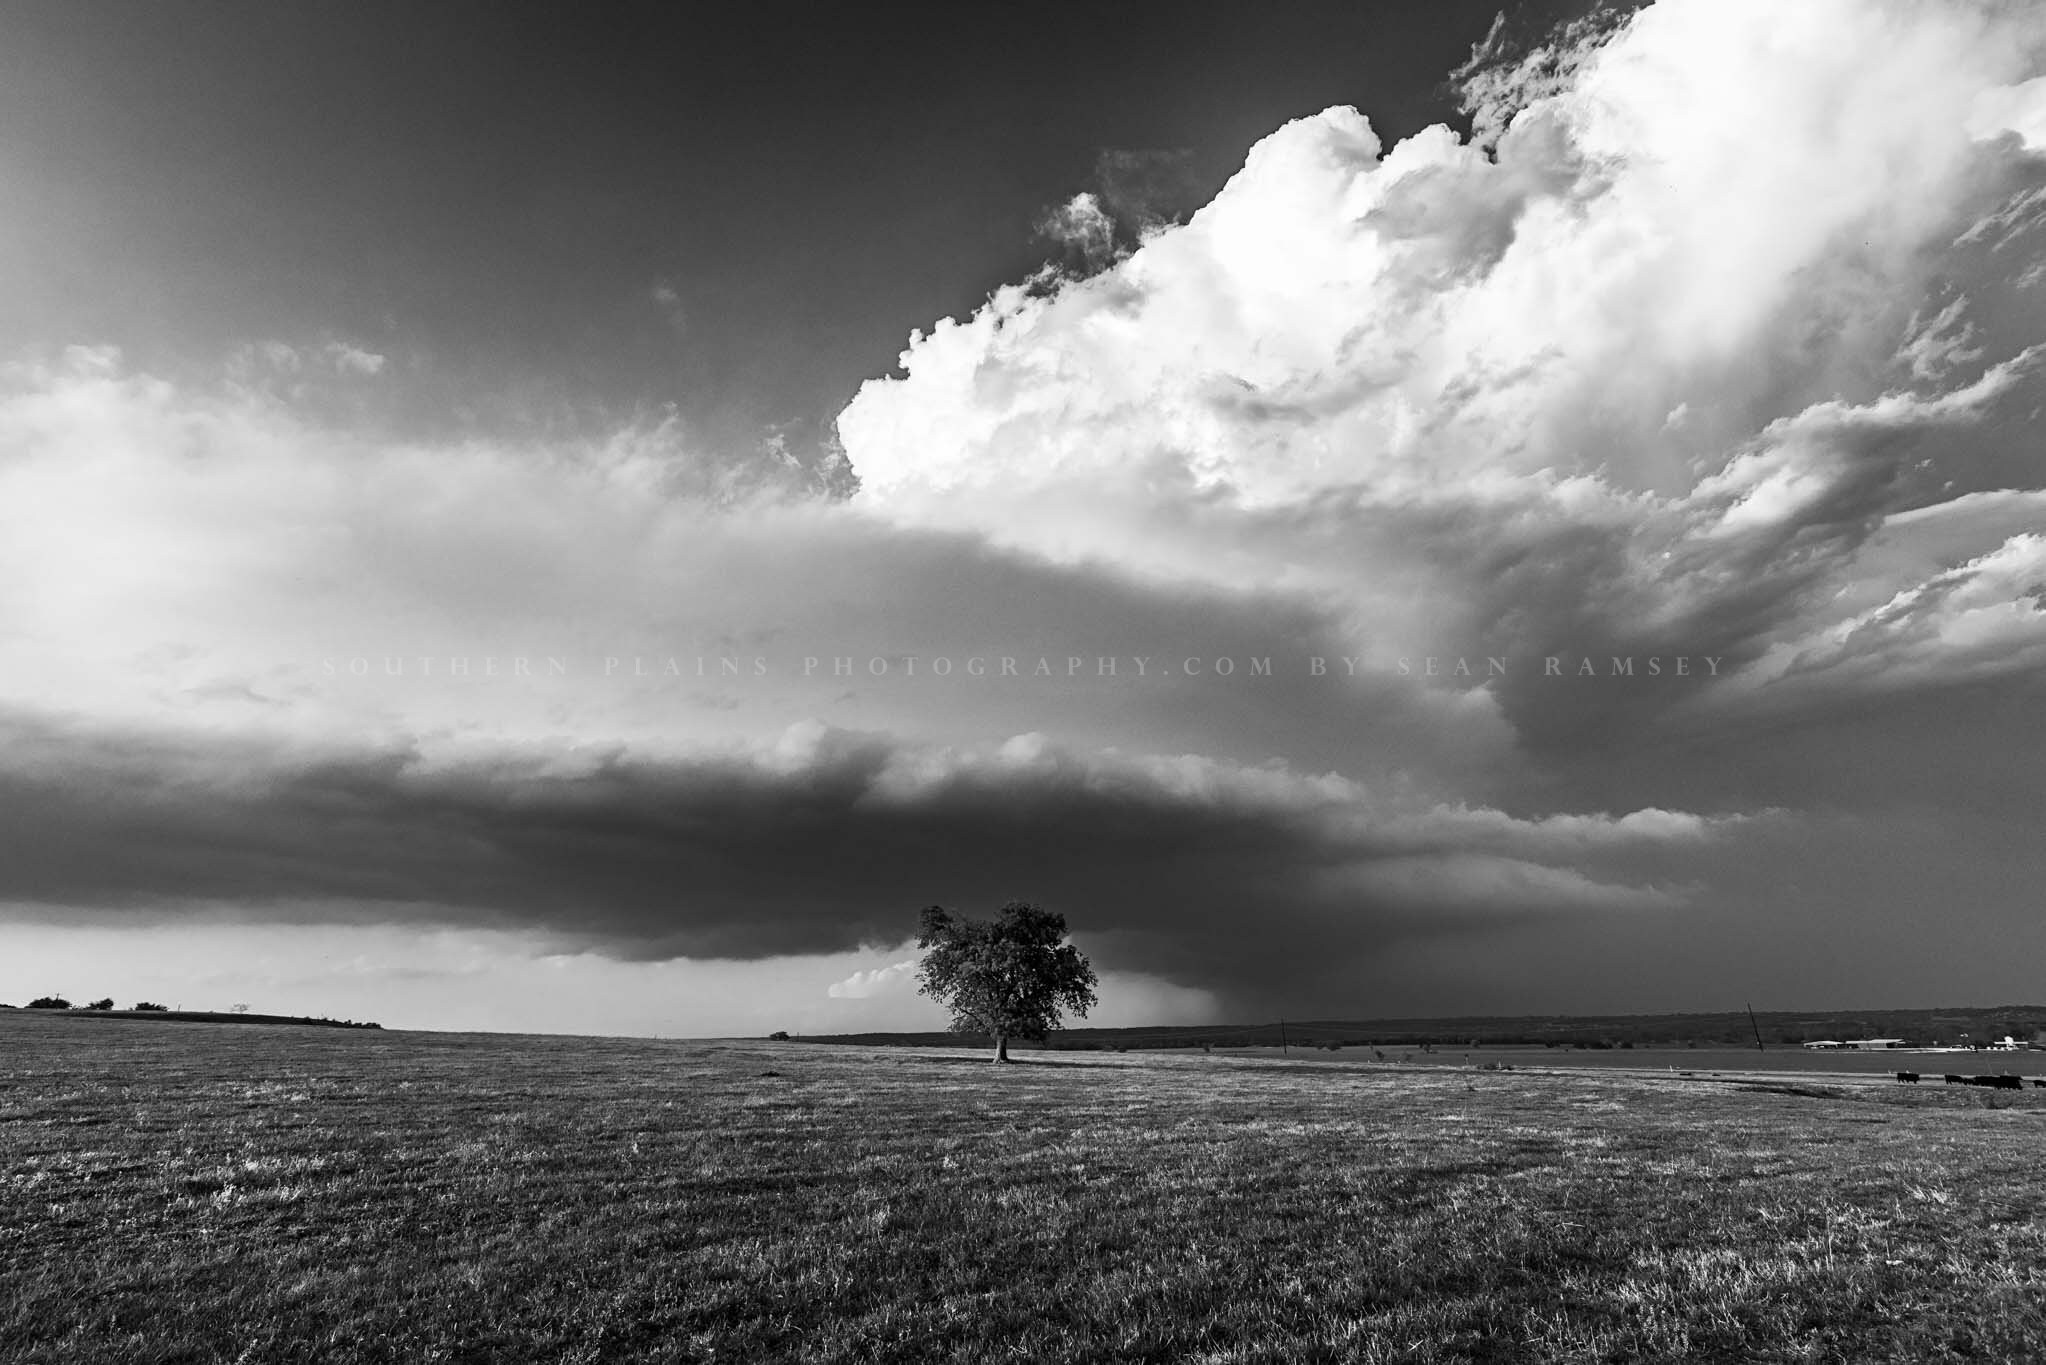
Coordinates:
x,y
1001,1048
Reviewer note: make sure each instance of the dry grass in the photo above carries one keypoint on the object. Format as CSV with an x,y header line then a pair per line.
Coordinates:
x,y
204,1193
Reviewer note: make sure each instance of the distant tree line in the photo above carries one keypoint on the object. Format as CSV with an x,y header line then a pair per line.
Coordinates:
x,y
238,1012
58,1002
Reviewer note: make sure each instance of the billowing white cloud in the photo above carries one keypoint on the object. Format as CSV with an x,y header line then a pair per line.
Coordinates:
x,y
1717,291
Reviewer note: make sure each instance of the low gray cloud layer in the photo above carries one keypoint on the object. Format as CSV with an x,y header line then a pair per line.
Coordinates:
x,y
825,841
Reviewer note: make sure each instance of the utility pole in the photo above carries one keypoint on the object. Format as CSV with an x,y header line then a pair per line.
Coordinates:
x,y
1282,1037
1757,1028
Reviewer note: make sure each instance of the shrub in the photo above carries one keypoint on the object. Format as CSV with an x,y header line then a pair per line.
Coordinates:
x,y
49,1002
142,1005
106,1004
780,1035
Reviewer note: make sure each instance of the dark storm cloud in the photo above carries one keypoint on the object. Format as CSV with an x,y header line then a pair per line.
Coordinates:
x,y
825,841
498,186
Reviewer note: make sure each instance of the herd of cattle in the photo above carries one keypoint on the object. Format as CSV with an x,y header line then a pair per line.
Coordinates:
x,y
1999,1082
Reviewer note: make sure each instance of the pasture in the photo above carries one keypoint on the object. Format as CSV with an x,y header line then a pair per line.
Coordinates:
x,y
205,1192
1703,1061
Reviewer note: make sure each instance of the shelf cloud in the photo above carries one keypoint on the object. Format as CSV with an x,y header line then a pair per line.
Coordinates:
x,y
811,844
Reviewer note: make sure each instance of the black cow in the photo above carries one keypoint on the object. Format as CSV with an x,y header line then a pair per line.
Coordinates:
x,y
1908,1077
1957,1080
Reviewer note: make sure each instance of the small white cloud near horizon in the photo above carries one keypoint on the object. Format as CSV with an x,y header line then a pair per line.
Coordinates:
x,y
863,985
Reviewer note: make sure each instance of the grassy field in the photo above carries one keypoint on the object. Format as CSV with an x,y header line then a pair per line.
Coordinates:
x,y
214,1192
1703,1061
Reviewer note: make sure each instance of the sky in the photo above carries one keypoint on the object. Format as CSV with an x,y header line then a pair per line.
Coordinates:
x,y
587,521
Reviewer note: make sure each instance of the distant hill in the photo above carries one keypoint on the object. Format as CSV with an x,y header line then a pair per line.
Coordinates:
x,y
1779,1028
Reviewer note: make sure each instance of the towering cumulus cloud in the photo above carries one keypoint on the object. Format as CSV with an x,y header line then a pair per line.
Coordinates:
x,y
1684,355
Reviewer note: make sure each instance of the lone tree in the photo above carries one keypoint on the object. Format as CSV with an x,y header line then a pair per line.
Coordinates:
x,y
1009,977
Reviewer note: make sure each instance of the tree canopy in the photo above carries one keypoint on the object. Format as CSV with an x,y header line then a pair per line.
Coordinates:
x,y
1008,977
